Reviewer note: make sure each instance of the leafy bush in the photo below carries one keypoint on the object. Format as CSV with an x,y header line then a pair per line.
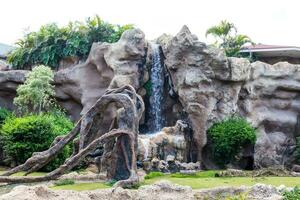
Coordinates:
x,y
52,43
153,175
292,195
26,135
228,137
64,182
4,113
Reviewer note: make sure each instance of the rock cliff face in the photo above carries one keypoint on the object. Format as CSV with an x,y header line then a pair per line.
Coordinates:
x,y
271,101
212,87
78,87
108,66
208,86
206,81
9,81
170,141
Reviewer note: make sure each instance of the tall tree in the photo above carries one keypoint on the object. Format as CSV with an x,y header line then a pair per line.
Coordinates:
x,y
226,37
36,94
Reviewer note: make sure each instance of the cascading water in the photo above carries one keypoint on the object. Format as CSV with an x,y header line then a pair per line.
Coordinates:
x,y
157,89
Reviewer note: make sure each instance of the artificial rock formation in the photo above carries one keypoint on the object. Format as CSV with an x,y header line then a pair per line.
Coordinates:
x,y
103,91
212,87
9,81
203,87
170,141
205,81
271,101
79,87
107,66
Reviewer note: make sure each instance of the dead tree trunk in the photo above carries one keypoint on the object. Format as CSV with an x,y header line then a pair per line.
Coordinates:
x,y
124,139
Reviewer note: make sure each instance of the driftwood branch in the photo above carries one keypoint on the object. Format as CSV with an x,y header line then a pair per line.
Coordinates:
x,y
122,140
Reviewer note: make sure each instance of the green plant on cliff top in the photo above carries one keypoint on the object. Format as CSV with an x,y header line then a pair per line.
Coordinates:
x,y
52,43
226,37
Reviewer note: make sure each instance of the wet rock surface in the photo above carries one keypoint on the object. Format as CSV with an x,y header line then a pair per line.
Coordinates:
x,y
169,142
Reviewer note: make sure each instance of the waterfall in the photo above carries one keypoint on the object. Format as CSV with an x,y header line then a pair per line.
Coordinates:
x,y
146,144
157,81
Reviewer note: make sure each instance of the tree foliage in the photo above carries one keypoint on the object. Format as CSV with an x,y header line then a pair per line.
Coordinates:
x,y
35,95
51,43
228,137
227,38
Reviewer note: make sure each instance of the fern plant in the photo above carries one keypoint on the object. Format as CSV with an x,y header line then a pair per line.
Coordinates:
x,y
52,43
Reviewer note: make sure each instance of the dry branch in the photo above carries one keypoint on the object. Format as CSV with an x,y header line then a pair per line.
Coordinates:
x,y
122,141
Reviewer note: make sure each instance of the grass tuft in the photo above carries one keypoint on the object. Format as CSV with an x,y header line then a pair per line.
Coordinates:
x,y
152,175
82,186
64,182
203,174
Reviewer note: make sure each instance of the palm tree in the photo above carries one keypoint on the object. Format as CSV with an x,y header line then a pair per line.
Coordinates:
x,y
227,38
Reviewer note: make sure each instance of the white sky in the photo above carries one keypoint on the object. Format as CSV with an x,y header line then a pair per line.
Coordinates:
x,y
265,21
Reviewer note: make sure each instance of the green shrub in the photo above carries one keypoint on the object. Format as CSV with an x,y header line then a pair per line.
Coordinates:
x,y
228,137
292,195
4,113
111,182
52,43
64,182
26,135
153,175
60,123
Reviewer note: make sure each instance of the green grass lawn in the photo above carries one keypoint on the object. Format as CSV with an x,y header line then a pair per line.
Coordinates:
x,y
203,179
22,173
198,183
82,186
